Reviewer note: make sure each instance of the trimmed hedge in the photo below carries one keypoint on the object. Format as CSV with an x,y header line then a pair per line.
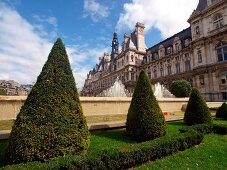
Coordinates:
x,y
122,158
180,88
197,111
201,128
145,120
222,111
220,129
51,122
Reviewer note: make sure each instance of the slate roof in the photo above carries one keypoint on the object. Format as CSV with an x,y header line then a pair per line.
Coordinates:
x,y
185,34
202,5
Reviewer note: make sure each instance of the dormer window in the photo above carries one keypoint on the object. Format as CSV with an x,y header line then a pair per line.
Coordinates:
x,y
161,53
197,32
177,47
169,50
186,42
218,21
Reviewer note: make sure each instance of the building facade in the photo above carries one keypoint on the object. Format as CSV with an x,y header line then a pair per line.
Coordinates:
x,y
197,54
13,88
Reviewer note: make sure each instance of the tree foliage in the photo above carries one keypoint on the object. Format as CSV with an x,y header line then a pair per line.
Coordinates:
x,y
222,111
180,88
145,120
197,111
2,92
51,121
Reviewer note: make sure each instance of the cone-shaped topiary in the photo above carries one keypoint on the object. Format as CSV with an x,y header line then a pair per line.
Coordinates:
x,y
51,121
145,120
197,111
222,111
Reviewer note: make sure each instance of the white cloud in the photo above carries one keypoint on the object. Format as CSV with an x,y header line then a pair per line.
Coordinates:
x,y
48,19
95,10
24,49
169,16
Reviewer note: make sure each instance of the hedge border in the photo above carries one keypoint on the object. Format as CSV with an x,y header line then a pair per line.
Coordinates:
x,y
122,158
206,128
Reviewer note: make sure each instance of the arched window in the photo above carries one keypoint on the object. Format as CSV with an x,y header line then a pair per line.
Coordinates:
x,y
221,51
218,21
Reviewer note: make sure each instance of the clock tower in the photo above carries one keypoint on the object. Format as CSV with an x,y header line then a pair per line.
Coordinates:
x,y
114,51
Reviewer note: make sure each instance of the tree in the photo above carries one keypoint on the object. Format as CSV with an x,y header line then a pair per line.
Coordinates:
x,y
51,121
197,111
145,120
180,88
222,111
2,92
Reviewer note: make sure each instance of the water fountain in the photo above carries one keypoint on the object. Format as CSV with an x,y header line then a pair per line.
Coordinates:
x,y
117,90
161,92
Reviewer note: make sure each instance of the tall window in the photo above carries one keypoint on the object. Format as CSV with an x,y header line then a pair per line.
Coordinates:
x,y
155,73
169,70
187,65
178,68
221,51
132,76
218,21
161,72
201,80
199,54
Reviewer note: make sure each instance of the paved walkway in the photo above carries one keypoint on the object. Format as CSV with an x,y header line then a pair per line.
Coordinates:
x,y
4,134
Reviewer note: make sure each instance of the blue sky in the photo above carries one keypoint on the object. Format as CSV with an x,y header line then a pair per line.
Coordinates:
x,y
28,29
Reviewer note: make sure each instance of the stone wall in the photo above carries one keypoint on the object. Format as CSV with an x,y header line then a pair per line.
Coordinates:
x,y
10,105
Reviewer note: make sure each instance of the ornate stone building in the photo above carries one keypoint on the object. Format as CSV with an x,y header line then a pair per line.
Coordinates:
x,y
197,54
124,64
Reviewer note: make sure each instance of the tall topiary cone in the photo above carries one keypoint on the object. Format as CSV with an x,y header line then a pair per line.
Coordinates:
x,y
51,121
145,120
197,111
222,111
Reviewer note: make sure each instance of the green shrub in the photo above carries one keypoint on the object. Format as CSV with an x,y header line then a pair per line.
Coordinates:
x,y
2,92
220,129
201,128
122,158
51,121
145,120
180,88
197,111
222,111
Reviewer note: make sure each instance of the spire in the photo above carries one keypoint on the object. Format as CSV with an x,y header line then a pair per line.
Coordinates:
x,y
115,51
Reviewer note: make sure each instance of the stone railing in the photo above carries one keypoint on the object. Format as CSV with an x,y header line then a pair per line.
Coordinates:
x,y
10,105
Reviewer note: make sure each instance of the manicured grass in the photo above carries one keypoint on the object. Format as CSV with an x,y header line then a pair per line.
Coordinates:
x,y
6,124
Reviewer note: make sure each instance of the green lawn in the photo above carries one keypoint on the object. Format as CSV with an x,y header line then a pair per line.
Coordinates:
x,y
210,154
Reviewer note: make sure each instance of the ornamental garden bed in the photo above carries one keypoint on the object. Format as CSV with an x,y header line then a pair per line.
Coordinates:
x,y
114,150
